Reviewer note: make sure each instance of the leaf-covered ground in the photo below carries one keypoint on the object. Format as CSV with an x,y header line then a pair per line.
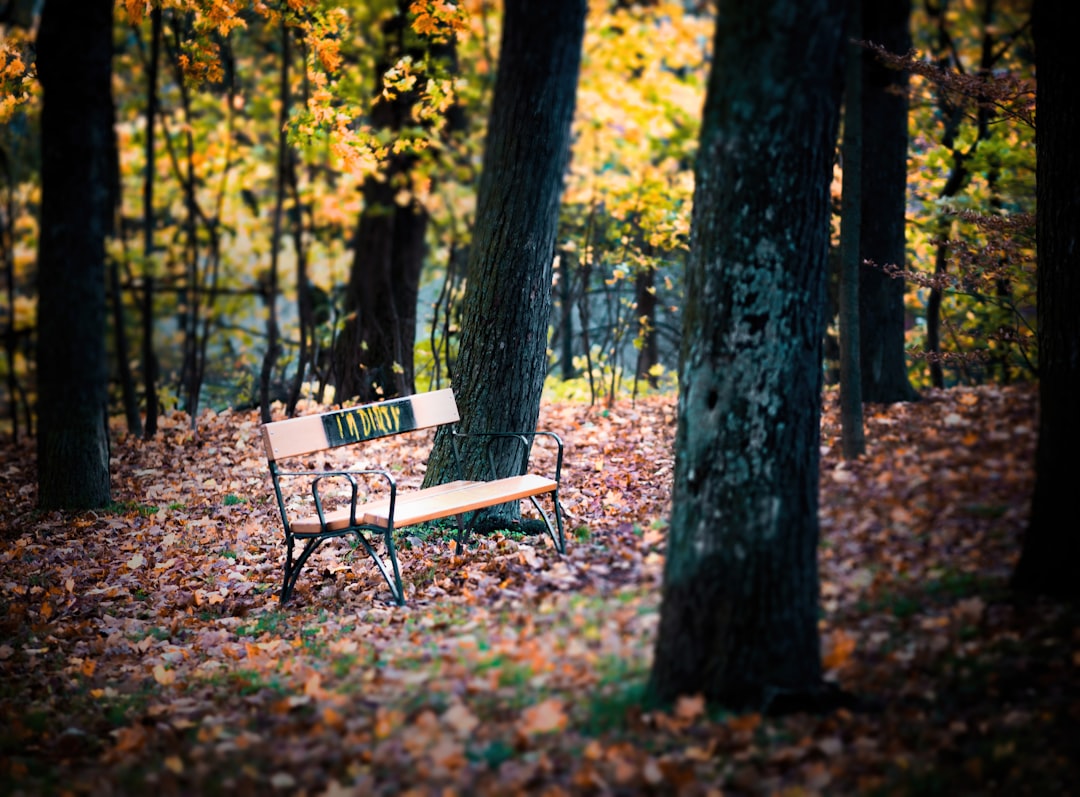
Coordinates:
x,y
143,649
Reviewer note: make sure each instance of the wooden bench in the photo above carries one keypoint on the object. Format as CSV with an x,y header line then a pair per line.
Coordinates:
x,y
385,507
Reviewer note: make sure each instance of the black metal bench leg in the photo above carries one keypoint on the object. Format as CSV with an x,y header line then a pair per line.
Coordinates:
x,y
399,588
559,539
292,569
462,535
391,575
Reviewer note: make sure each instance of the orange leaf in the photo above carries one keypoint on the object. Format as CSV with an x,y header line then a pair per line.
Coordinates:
x,y
542,718
689,708
164,676
841,646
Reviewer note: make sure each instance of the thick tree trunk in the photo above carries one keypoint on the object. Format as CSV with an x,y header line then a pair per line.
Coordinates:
x,y
1048,564
740,599
884,196
75,68
375,353
507,306
374,357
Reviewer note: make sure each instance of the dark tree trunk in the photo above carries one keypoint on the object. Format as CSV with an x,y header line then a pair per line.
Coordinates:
x,y
566,317
374,359
375,356
149,356
645,306
120,341
884,197
507,306
273,333
851,400
740,598
1051,548
75,67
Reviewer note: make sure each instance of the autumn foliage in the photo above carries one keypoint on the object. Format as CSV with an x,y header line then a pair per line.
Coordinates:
x,y
143,648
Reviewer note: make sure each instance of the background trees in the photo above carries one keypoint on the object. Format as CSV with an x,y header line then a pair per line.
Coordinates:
x,y
197,166
739,613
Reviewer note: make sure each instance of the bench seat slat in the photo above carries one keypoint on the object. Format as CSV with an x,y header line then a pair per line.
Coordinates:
x,y
440,501
476,495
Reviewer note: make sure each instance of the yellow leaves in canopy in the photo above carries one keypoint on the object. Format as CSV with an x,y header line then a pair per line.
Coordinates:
x,y
438,20
222,16
11,63
328,53
17,81
399,78
358,150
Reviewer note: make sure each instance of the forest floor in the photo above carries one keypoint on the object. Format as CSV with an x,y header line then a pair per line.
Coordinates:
x,y
143,650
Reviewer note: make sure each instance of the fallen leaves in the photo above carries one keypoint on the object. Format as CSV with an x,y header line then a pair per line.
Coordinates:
x,y
146,644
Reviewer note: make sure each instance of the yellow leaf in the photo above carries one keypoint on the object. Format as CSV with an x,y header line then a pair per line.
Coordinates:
x,y
163,676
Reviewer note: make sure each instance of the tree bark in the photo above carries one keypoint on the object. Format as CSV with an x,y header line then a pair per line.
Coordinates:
x,y
149,356
884,196
374,359
507,305
75,68
739,614
1051,546
853,435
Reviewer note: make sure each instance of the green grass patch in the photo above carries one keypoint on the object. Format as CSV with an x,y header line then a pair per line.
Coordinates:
x,y
270,623
131,507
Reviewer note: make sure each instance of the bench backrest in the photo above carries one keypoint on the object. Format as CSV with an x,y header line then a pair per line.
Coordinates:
x,y
311,433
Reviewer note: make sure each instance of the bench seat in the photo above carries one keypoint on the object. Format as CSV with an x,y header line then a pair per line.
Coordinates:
x,y
432,503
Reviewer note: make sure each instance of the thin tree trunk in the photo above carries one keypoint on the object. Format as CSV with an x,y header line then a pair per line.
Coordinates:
x,y
272,343
882,316
853,436
149,356
120,339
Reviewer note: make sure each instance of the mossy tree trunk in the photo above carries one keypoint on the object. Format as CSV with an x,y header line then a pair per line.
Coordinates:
x,y
740,597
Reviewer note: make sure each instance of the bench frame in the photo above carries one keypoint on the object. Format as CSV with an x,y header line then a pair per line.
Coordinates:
x,y
391,508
